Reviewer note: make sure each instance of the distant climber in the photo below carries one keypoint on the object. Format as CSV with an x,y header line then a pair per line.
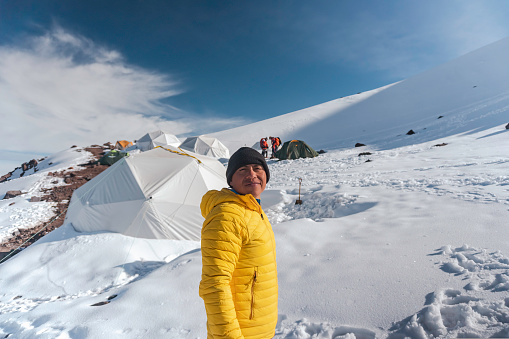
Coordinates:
x,y
275,142
264,146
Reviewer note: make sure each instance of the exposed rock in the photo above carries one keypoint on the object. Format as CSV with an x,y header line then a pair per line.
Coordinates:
x,y
59,194
12,194
359,144
442,144
29,165
507,126
440,117
5,177
35,199
100,303
410,132
364,153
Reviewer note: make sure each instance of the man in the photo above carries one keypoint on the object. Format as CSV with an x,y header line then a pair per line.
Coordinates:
x,y
264,145
275,142
239,274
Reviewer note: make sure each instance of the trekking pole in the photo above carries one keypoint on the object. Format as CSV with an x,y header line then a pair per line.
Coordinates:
x,y
299,202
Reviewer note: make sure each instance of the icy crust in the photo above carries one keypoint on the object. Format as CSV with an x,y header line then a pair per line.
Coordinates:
x,y
452,313
440,171
25,215
448,313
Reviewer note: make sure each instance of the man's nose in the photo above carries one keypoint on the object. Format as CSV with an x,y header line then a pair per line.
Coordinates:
x,y
251,172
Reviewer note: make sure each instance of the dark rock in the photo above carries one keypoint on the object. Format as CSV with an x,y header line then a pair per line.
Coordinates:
x,y
410,132
321,151
12,194
29,165
112,296
442,144
100,303
440,117
369,160
507,126
35,199
5,177
359,144
364,153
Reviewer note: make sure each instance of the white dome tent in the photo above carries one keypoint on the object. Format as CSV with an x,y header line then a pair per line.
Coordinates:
x,y
154,194
157,138
208,146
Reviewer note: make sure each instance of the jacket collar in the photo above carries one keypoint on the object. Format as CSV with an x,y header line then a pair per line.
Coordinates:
x,y
213,198
234,191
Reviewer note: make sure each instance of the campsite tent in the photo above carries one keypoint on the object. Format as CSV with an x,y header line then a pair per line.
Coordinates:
x,y
208,146
154,194
295,149
112,157
157,138
122,144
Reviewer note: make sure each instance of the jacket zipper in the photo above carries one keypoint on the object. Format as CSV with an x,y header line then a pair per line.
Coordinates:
x,y
251,316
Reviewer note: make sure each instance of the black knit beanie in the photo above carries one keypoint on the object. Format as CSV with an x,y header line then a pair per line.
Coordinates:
x,y
242,157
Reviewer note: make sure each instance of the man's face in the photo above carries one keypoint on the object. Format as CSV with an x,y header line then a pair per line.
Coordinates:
x,y
249,179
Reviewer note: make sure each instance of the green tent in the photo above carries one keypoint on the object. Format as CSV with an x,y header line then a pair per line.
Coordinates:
x,y
112,157
295,149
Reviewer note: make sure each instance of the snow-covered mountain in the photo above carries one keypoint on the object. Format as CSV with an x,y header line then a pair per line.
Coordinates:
x,y
470,93
412,243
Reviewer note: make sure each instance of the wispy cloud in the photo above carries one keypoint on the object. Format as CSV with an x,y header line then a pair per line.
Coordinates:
x,y
60,89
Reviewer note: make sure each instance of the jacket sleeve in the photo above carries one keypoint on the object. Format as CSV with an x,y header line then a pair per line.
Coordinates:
x,y
221,243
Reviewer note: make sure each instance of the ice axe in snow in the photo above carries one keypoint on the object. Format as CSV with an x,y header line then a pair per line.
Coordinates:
x,y
298,201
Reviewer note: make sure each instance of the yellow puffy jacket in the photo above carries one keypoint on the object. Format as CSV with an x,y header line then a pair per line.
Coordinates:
x,y
239,275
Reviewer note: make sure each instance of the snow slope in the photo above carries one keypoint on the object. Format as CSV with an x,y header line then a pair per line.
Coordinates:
x,y
471,92
412,243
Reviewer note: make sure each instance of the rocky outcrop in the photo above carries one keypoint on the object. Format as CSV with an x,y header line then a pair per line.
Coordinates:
x,y
12,194
29,165
61,195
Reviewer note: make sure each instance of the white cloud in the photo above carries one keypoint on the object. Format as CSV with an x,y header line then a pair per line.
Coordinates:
x,y
61,89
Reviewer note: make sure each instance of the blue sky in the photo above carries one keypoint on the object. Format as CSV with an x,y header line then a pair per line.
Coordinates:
x,y
76,72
